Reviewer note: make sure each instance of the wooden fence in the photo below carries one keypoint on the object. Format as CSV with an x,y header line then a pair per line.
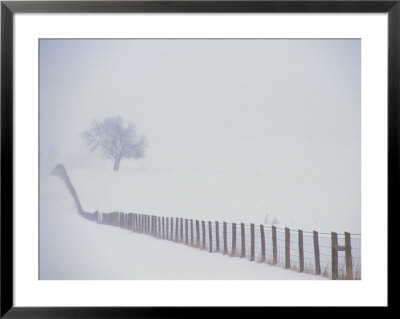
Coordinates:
x,y
333,255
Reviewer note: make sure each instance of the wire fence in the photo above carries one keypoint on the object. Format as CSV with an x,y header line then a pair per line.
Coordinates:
x,y
332,255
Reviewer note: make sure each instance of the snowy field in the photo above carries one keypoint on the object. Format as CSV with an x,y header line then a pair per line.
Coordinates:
x,y
74,248
207,196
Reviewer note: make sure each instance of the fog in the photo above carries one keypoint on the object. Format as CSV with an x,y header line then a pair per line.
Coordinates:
x,y
284,113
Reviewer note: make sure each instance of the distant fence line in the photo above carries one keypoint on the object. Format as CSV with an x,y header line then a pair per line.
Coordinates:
x,y
336,256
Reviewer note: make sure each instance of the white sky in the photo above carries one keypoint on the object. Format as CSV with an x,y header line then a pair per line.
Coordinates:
x,y
287,110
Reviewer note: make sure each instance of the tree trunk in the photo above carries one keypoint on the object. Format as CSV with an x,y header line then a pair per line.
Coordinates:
x,y
116,163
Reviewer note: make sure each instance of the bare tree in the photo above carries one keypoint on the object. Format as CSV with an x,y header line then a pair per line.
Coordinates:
x,y
115,140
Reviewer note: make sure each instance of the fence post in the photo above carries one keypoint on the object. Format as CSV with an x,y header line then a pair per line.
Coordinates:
x,y
287,248
210,236
191,232
177,229
172,228
262,243
252,247
242,235
132,222
334,244
135,222
186,232
159,227
225,239
203,225
217,236
163,228
233,239
349,261
274,246
167,228
198,233
301,250
316,254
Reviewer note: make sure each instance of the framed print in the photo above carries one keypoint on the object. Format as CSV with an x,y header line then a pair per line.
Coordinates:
x,y
163,155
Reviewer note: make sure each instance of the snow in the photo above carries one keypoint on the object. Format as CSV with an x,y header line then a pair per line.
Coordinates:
x,y
72,247
207,195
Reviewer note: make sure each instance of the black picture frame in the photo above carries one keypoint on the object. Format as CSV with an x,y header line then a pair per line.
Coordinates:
x,y
9,8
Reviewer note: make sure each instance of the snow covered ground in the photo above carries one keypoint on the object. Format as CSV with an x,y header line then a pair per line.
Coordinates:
x,y
74,248
215,196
